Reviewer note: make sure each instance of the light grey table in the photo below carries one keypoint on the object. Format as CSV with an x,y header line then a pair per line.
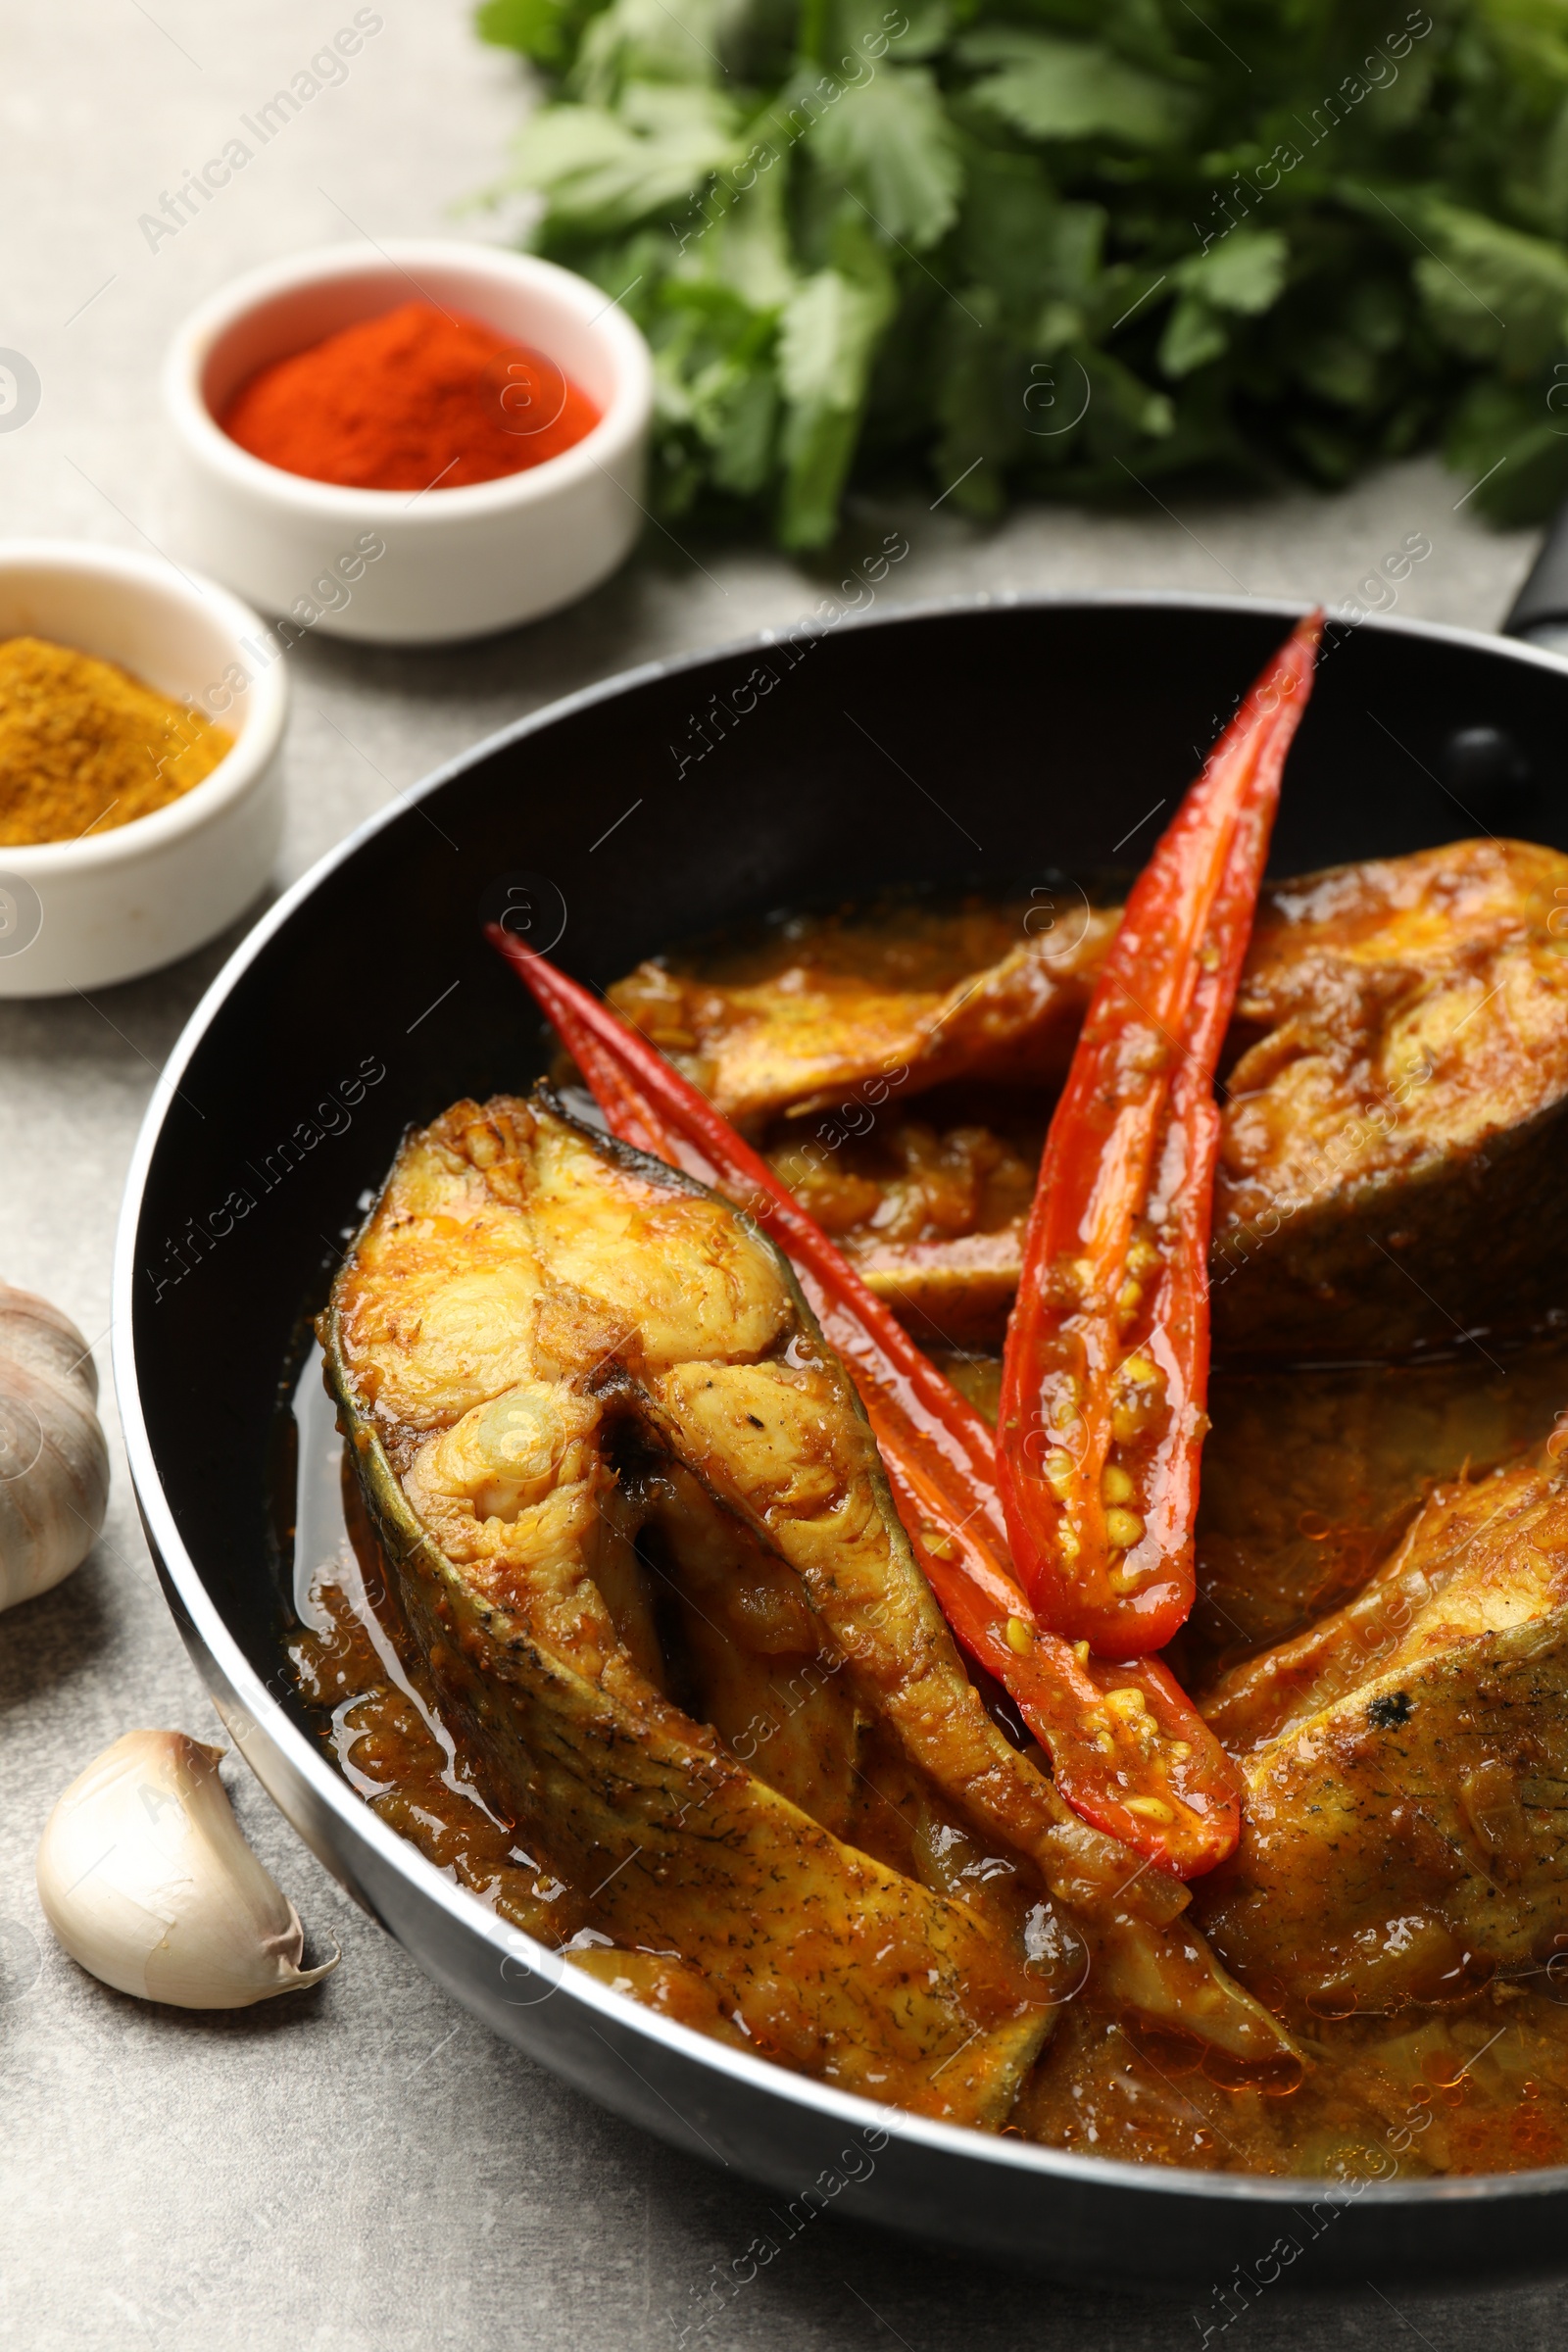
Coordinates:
x,y
365,2170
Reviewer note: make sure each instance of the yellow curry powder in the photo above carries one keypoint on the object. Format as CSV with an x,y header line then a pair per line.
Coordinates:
x,y
85,747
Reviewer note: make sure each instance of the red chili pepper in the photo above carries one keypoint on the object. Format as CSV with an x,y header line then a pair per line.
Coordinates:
x,y
1127,1748
1105,1372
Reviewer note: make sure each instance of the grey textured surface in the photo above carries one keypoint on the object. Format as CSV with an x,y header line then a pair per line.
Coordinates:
x,y
364,2167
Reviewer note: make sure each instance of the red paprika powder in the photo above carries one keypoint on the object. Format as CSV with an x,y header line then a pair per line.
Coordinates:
x,y
415,400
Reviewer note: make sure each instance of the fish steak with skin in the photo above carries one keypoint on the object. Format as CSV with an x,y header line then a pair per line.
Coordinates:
x,y
623,1483
1400,1094
1406,1767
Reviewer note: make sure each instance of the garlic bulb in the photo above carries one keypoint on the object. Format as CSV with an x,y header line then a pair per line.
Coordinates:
x,y
146,1879
54,1464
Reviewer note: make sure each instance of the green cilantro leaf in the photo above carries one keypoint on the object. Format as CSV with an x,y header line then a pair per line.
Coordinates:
x,y
1059,89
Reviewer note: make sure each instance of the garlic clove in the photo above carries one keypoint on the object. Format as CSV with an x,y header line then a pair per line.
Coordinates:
x,y
54,1463
147,1881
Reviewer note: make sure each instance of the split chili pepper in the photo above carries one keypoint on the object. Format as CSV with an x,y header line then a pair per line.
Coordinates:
x,y
1127,1748
1105,1372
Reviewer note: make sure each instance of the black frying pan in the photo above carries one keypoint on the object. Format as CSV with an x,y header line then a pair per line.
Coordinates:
x,y
993,743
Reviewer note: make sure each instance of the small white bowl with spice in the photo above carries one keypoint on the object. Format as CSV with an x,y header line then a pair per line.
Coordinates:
x,y
141,714
412,443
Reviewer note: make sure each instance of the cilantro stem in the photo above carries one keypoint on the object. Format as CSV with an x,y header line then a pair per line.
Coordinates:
x,y
813,31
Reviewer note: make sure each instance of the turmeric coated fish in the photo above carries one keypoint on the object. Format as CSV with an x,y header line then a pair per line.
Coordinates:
x,y
1401,1092
795,1041
518,1301
630,1501
1406,1808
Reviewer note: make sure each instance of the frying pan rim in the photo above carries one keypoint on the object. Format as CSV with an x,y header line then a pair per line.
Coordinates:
x,y
333,1792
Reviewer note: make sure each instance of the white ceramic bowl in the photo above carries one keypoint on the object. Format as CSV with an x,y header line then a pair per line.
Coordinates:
x,y
82,914
454,562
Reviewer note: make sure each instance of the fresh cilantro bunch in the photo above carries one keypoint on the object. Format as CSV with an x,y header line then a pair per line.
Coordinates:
x,y
1063,246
